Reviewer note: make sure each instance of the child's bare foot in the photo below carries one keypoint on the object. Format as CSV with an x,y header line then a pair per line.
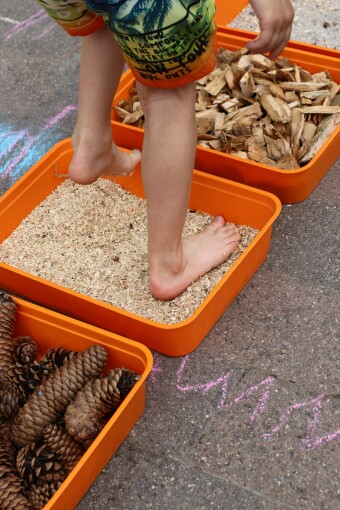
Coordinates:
x,y
199,254
91,160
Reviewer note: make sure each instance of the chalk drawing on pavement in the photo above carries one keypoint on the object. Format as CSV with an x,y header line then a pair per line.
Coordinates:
x,y
40,18
20,150
263,389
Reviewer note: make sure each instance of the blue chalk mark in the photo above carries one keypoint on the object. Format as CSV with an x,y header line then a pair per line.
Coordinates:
x,y
20,150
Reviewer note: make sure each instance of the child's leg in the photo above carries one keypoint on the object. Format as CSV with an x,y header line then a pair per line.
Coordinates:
x,y
101,65
167,163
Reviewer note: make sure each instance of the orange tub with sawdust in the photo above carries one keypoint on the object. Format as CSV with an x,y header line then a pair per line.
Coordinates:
x,y
290,186
50,330
236,202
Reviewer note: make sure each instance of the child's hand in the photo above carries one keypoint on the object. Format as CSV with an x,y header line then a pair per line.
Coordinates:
x,y
275,20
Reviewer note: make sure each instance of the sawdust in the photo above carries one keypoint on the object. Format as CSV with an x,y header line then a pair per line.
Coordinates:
x,y
93,240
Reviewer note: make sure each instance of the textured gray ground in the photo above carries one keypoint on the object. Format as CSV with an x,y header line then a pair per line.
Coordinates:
x,y
251,419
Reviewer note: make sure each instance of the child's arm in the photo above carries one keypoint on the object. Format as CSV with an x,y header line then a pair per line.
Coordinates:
x,y
275,20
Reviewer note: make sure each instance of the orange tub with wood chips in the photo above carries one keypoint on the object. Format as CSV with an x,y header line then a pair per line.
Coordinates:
x,y
290,186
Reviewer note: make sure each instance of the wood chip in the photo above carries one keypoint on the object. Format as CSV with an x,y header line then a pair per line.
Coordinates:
x,y
324,131
219,122
277,109
287,162
217,84
324,110
301,86
262,62
297,126
243,126
217,145
247,84
277,91
258,135
256,153
131,118
307,136
278,148
252,110
268,161
291,96
231,105
314,94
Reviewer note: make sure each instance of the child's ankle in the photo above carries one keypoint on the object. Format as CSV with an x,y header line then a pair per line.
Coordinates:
x,y
92,137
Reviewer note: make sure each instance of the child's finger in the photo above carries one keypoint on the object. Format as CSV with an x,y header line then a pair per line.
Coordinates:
x,y
278,50
283,40
271,42
275,19
267,41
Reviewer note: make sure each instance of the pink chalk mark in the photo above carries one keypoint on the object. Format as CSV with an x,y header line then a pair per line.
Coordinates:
x,y
315,403
261,406
28,22
47,30
65,111
309,444
314,421
205,387
223,382
156,369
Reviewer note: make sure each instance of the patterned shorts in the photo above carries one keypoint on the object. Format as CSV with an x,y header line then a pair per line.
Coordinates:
x,y
166,43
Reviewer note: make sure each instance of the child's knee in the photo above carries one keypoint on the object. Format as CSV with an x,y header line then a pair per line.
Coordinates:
x,y
151,98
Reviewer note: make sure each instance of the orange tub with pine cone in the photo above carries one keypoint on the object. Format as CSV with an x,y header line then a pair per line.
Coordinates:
x,y
213,195
50,330
290,186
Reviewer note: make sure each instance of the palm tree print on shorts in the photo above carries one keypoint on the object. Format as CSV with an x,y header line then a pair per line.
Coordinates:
x,y
166,43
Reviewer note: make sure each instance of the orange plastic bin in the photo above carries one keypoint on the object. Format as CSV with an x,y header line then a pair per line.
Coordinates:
x,y
290,186
50,330
236,202
227,11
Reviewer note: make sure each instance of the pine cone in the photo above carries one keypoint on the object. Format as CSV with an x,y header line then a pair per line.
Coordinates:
x,y
25,350
50,399
16,376
34,374
9,399
34,461
84,417
57,356
7,319
16,383
66,449
7,443
27,377
20,379
12,496
7,452
126,382
40,493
